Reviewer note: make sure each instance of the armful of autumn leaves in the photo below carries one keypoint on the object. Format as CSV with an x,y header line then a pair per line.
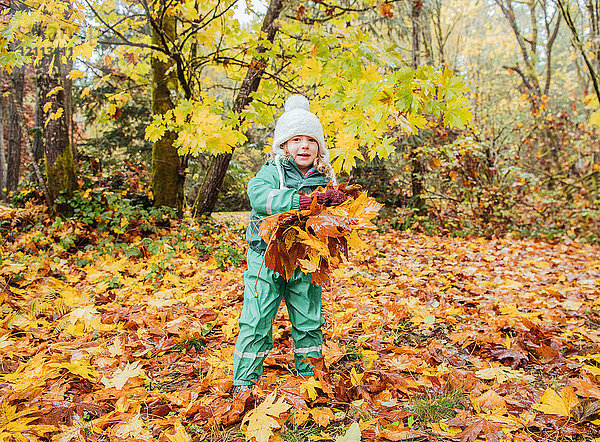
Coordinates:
x,y
316,240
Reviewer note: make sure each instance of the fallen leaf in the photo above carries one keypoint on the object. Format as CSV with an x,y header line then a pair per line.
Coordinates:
x,y
489,402
260,420
560,403
121,376
322,416
352,434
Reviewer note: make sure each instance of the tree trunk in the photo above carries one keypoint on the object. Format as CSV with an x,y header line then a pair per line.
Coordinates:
x,y
58,156
417,7
416,170
593,8
3,189
68,85
37,174
437,30
167,172
213,180
37,144
14,134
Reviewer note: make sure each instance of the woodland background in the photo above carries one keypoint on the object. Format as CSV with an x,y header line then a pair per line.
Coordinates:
x,y
471,313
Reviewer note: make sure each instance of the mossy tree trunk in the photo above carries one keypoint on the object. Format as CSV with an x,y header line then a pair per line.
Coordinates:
x,y
168,174
13,133
58,156
213,180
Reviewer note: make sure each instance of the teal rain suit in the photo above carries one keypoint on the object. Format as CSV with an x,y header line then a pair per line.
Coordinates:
x,y
275,190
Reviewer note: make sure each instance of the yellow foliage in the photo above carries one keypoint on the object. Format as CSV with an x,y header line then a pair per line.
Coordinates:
x,y
14,423
261,420
560,403
122,375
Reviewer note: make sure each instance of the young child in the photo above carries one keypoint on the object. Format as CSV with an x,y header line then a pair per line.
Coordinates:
x,y
299,161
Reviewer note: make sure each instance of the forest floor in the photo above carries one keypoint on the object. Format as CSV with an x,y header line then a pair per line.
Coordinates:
x,y
426,337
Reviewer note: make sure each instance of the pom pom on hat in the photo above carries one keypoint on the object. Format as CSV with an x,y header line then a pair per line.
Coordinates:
x,y
296,102
297,119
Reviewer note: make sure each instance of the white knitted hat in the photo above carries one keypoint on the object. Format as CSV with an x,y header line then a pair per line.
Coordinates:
x,y
297,119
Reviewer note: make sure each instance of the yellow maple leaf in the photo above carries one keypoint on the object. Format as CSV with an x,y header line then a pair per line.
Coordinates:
x,y
75,73
180,434
308,265
355,377
86,316
369,357
501,374
260,421
115,349
311,385
560,403
355,241
134,429
443,430
592,369
79,367
31,375
346,152
121,376
13,423
230,329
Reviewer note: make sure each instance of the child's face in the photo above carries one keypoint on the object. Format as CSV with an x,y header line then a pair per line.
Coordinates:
x,y
304,150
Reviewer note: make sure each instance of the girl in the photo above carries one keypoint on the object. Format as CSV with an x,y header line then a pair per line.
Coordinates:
x,y
299,162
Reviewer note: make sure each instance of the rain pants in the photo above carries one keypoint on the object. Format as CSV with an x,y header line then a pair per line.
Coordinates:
x,y
275,190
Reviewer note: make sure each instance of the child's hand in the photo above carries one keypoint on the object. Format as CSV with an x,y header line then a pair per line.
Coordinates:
x,y
334,197
331,197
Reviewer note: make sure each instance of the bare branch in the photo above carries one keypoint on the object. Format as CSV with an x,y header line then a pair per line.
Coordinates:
x,y
521,74
549,46
579,45
197,27
340,11
125,40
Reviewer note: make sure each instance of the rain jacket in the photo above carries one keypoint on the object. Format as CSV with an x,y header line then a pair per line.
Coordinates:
x,y
274,190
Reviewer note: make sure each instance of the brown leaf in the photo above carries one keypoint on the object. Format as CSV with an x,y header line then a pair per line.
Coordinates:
x,y
489,402
476,426
397,381
322,374
390,433
515,355
586,410
560,425
385,9
327,225
519,396
62,412
585,388
130,57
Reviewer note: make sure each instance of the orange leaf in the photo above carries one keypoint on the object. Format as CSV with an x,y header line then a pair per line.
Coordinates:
x,y
585,388
322,416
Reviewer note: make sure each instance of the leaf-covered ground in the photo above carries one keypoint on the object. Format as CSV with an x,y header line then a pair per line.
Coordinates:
x,y
426,337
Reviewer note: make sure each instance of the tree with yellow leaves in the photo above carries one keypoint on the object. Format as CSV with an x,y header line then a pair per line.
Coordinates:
x,y
213,78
